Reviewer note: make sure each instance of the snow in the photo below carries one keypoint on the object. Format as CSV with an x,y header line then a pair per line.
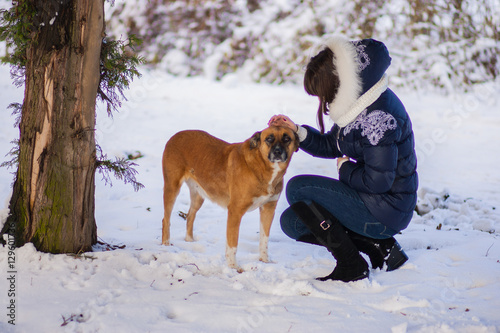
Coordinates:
x,y
451,282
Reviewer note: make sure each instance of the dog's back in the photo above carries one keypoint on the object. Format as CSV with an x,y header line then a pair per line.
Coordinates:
x,y
197,158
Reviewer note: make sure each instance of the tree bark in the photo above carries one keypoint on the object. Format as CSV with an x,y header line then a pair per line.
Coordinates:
x,y
53,197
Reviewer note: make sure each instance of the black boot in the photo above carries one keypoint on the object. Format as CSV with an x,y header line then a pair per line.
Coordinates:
x,y
329,232
380,251
310,239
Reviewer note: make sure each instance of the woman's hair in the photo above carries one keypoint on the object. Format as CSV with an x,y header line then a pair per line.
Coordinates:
x,y
321,79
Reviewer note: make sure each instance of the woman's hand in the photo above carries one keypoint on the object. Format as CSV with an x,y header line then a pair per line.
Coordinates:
x,y
282,120
341,161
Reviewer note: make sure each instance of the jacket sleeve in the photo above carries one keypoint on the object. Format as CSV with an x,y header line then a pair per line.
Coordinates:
x,y
377,170
320,145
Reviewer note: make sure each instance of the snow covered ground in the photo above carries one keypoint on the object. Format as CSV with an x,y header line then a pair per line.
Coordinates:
x,y
450,284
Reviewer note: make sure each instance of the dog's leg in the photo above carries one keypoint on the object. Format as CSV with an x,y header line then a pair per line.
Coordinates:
x,y
266,219
234,216
170,191
196,202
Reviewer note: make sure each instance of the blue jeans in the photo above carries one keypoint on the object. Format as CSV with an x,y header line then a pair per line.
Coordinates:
x,y
339,199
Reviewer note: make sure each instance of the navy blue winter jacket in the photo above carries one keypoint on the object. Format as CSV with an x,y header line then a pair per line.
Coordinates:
x,y
381,143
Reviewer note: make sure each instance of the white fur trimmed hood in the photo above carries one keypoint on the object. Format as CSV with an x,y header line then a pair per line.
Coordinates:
x,y
361,67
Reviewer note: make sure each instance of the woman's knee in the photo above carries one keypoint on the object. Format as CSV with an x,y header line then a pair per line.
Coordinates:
x,y
291,189
288,222
295,188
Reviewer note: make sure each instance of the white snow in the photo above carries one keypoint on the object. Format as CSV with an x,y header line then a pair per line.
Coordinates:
x,y
451,282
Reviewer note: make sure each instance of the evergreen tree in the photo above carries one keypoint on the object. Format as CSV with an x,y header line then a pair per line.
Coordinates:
x,y
60,53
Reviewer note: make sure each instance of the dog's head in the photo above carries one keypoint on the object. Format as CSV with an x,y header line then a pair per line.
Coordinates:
x,y
277,144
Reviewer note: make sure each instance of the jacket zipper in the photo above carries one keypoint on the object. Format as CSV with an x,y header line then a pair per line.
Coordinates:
x,y
338,136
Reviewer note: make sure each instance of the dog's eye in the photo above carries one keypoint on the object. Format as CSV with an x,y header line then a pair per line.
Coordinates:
x,y
286,138
270,139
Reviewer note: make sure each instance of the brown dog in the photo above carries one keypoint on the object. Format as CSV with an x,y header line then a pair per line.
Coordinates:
x,y
240,177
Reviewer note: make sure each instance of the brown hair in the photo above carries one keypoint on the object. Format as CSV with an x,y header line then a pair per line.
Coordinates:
x,y
321,80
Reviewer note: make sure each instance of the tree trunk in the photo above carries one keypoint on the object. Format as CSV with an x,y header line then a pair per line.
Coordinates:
x,y
53,197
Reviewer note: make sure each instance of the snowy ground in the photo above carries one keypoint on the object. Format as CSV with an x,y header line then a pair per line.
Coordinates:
x,y
450,284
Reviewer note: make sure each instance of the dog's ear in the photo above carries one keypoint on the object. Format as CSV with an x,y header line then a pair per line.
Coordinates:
x,y
296,142
255,140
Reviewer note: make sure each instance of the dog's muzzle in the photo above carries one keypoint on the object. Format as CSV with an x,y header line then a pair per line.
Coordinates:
x,y
277,154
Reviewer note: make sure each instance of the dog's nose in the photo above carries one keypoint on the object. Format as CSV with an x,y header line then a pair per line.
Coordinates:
x,y
277,154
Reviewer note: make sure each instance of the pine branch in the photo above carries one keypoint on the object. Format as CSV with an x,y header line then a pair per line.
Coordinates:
x,y
14,154
118,69
122,169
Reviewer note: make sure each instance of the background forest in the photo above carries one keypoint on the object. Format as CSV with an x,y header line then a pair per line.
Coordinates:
x,y
447,44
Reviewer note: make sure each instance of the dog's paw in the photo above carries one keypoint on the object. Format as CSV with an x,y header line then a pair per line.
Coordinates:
x,y
167,243
231,259
189,238
263,255
237,268
268,261
265,259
